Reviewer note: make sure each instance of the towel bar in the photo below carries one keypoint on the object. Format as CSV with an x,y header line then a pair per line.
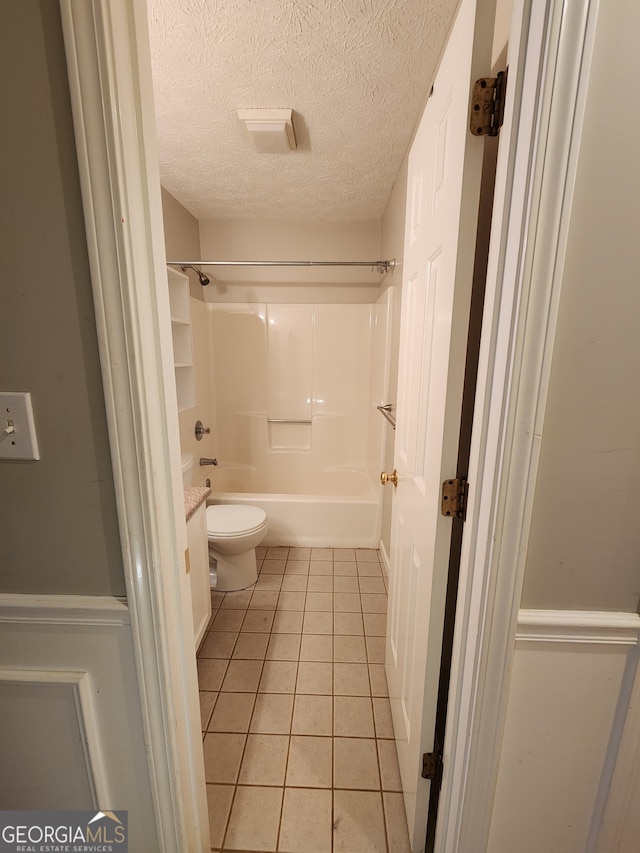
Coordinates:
x,y
386,412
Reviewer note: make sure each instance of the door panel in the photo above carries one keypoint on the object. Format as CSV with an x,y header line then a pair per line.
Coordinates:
x,y
442,202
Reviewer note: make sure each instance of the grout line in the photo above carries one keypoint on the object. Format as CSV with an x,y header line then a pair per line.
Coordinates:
x,y
289,734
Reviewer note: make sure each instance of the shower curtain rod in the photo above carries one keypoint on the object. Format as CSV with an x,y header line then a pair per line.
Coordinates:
x,y
379,266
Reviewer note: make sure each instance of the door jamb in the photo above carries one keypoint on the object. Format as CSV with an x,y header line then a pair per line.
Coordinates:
x,y
524,277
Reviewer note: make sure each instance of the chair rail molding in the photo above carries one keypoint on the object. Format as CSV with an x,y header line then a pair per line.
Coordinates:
x,y
578,626
63,609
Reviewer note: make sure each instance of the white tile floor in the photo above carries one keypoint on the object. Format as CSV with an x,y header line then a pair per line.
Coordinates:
x,y
298,738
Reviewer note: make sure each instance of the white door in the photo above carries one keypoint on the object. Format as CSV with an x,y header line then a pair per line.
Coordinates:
x,y
442,201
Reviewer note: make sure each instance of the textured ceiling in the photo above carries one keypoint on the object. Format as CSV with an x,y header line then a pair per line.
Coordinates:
x,y
355,72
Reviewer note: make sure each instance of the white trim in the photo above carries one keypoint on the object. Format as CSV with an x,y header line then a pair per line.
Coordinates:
x,y
615,823
106,44
63,609
550,47
578,626
385,557
91,740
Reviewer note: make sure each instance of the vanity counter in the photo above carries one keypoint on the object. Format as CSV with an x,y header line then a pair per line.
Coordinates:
x,y
194,497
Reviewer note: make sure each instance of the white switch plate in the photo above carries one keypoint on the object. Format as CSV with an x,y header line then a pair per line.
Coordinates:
x,y
16,413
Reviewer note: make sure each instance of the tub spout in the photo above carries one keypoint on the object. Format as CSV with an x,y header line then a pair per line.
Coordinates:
x,y
205,461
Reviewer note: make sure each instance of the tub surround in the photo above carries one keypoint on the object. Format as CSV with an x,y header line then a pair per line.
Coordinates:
x,y
295,423
295,392
194,497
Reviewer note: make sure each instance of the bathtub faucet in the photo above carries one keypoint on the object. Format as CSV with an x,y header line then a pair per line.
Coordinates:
x,y
204,461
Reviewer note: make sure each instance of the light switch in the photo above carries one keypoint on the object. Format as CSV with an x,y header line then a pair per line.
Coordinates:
x,y
17,427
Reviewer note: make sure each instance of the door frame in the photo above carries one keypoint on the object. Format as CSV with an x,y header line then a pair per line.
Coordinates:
x,y
109,70
106,43
553,44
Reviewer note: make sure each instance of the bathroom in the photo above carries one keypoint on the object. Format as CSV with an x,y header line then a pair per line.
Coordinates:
x,y
336,510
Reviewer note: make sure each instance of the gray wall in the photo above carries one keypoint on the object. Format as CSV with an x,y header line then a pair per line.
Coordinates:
x,y
58,524
584,545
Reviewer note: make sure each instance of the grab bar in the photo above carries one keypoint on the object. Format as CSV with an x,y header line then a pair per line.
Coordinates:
x,y
286,421
386,412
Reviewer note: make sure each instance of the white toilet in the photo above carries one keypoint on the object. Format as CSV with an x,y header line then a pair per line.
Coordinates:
x,y
234,531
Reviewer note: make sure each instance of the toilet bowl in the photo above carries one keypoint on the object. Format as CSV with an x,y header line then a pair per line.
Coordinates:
x,y
234,531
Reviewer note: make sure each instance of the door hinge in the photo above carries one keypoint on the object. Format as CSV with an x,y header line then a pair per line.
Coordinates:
x,y
487,105
431,765
454,498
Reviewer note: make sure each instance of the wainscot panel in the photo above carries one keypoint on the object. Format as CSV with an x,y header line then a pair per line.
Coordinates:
x,y
572,677
72,736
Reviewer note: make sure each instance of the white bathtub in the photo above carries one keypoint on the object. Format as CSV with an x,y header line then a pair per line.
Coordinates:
x,y
341,508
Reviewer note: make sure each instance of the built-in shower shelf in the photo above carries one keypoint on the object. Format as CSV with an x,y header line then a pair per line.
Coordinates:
x,y
182,339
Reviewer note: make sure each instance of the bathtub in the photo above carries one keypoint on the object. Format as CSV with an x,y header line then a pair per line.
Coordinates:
x,y
340,508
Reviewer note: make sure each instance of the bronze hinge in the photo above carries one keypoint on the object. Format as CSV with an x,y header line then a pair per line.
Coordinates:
x,y
487,105
454,498
431,765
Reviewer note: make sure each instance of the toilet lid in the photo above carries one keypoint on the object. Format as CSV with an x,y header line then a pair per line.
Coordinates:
x,y
230,519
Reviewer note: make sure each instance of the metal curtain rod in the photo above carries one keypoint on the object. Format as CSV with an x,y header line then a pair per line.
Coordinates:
x,y
379,266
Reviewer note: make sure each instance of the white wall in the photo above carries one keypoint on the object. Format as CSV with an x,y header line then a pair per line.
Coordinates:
x,y
207,446
393,247
380,358
182,242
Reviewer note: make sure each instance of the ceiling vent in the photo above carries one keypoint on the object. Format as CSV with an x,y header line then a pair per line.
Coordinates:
x,y
270,130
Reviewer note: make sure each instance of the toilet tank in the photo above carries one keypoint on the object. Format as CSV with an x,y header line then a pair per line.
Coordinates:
x,y
187,469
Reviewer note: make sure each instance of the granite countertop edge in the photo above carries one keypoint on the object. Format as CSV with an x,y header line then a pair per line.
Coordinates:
x,y
194,497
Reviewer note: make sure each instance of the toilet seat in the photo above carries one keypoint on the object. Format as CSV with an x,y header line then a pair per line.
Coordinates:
x,y
226,521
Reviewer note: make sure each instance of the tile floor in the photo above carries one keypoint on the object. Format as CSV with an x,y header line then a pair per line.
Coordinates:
x,y
298,738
